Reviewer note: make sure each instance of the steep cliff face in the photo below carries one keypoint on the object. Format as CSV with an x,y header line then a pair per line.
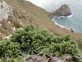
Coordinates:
x,y
64,10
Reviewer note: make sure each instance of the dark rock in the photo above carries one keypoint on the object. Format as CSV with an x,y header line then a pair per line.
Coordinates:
x,y
71,30
55,59
64,10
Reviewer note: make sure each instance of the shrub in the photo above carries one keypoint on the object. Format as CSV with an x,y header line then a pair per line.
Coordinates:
x,y
31,40
9,49
36,41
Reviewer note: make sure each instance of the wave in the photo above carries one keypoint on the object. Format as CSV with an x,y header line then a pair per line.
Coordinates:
x,y
64,16
70,16
61,25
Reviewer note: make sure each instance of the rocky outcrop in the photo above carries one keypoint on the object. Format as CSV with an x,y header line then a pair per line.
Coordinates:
x,y
5,10
33,58
64,10
10,19
36,58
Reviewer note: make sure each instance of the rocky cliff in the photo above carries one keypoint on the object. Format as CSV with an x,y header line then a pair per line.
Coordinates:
x,y
64,10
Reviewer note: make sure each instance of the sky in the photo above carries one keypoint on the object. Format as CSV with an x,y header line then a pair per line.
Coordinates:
x,y
46,4
40,2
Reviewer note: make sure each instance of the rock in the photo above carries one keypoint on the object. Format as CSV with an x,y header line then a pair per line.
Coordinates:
x,y
68,57
33,58
55,59
64,10
5,9
71,30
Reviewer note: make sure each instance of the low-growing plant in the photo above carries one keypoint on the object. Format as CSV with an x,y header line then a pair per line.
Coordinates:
x,y
31,40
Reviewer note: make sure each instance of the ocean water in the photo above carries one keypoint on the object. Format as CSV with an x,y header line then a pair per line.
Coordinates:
x,y
74,22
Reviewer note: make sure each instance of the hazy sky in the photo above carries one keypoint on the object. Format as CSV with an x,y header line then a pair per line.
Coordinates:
x,y
40,2
47,4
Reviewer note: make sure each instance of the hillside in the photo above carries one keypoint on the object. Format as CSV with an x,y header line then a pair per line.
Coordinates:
x,y
31,44
28,13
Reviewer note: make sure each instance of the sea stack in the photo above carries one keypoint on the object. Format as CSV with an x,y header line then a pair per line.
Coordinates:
x,y
64,10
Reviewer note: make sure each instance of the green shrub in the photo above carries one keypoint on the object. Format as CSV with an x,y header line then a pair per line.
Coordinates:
x,y
9,49
36,41
31,40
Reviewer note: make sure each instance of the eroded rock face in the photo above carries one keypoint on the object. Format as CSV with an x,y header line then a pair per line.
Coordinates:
x,y
11,19
5,9
64,10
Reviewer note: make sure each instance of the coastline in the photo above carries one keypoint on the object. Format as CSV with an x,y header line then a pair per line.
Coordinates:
x,y
70,15
64,16
68,28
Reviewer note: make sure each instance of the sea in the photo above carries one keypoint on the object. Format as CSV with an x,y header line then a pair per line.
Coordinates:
x,y
73,21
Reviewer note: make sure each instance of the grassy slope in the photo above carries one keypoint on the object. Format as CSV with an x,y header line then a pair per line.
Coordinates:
x,y
40,18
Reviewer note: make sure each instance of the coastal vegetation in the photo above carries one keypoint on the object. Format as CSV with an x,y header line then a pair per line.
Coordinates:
x,y
35,41
31,40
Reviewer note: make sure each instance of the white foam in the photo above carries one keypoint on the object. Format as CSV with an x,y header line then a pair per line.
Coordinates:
x,y
70,16
64,16
61,25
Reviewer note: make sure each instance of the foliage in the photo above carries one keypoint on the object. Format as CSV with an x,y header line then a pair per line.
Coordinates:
x,y
30,40
8,48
